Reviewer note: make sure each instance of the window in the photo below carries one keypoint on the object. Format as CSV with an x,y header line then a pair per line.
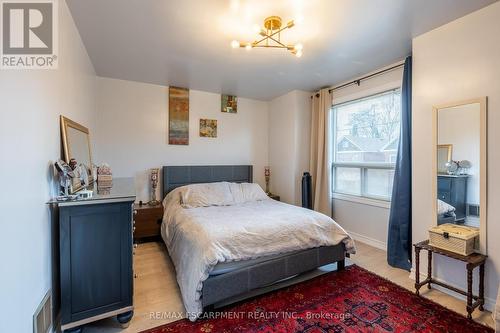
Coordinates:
x,y
366,136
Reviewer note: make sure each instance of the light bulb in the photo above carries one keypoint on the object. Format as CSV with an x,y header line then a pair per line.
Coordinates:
x,y
298,47
298,54
235,44
248,47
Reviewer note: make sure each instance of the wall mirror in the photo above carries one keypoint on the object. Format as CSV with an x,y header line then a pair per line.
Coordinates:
x,y
444,153
460,154
77,152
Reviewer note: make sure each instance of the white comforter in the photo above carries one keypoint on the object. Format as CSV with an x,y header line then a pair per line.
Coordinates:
x,y
443,207
199,238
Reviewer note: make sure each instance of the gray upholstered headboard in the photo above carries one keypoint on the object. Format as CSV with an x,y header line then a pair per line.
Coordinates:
x,y
175,176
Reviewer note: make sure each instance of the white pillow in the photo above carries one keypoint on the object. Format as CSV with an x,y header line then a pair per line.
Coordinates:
x,y
443,207
244,192
205,195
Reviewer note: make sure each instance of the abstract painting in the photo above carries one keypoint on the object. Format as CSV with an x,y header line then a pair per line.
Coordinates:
x,y
208,128
229,104
178,116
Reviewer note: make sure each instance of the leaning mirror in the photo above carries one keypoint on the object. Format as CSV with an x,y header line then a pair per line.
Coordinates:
x,y
461,165
444,153
77,152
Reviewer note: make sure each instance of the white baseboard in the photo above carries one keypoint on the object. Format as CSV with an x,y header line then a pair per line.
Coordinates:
x,y
367,240
489,303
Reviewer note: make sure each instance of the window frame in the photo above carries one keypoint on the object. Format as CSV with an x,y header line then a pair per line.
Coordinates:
x,y
363,197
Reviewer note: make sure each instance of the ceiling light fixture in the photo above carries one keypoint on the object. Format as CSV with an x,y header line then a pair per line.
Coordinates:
x,y
271,37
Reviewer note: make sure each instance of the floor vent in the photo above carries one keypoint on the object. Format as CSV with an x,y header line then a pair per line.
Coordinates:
x,y
42,319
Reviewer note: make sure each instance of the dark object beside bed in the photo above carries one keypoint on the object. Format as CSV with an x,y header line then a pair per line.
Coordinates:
x,y
241,280
446,218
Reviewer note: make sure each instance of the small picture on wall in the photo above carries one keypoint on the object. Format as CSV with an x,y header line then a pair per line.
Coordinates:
x,y
178,116
229,104
208,128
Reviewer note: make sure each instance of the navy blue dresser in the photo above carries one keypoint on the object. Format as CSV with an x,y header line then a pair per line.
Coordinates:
x,y
95,256
453,190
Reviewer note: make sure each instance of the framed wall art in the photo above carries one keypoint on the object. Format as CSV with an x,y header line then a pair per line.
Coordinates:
x,y
229,104
208,128
178,116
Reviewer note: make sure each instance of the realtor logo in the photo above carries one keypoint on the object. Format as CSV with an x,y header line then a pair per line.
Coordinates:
x,y
29,34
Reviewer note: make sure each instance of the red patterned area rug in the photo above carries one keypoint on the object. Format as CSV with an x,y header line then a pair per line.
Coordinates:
x,y
353,300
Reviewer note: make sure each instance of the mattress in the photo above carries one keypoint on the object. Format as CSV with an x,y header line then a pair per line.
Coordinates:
x,y
226,267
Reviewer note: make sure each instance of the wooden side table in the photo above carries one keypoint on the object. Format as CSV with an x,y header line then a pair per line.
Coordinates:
x,y
472,261
147,221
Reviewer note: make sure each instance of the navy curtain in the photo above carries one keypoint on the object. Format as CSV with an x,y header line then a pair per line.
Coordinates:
x,y
399,245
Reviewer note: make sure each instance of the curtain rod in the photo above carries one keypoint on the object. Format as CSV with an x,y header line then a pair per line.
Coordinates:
x,y
358,81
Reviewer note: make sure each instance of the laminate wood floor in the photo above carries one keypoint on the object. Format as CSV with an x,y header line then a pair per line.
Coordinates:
x,y
157,298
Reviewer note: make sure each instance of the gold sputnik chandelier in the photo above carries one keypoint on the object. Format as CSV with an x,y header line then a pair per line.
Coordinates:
x,y
271,37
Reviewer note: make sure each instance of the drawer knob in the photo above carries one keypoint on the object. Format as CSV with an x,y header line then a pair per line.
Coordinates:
x,y
135,246
135,211
135,276
133,228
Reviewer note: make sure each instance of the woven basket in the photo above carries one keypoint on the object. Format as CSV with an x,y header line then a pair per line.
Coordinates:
x,y
454,238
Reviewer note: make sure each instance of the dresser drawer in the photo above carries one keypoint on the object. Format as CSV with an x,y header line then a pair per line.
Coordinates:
x,y
444,196
95,260
147,227
444,184
147,221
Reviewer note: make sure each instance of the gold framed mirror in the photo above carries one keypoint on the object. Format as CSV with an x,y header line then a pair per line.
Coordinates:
x,y
77,152
460,138
444,155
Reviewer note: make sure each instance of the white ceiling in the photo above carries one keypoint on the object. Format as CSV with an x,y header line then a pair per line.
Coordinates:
x,y
187,43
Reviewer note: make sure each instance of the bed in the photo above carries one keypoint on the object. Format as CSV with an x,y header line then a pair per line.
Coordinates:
x,y
284,240
445,213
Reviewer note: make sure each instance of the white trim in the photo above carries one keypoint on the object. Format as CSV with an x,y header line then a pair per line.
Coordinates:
x,y
489,303
363,166
367,240
362,200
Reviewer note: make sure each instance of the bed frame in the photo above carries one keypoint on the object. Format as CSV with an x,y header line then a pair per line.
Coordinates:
x,y
221,289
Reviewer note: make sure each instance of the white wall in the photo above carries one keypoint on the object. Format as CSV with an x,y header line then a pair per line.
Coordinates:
x,y
289,144
460,127
455,62
366,222
132,130
302,140
31,102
